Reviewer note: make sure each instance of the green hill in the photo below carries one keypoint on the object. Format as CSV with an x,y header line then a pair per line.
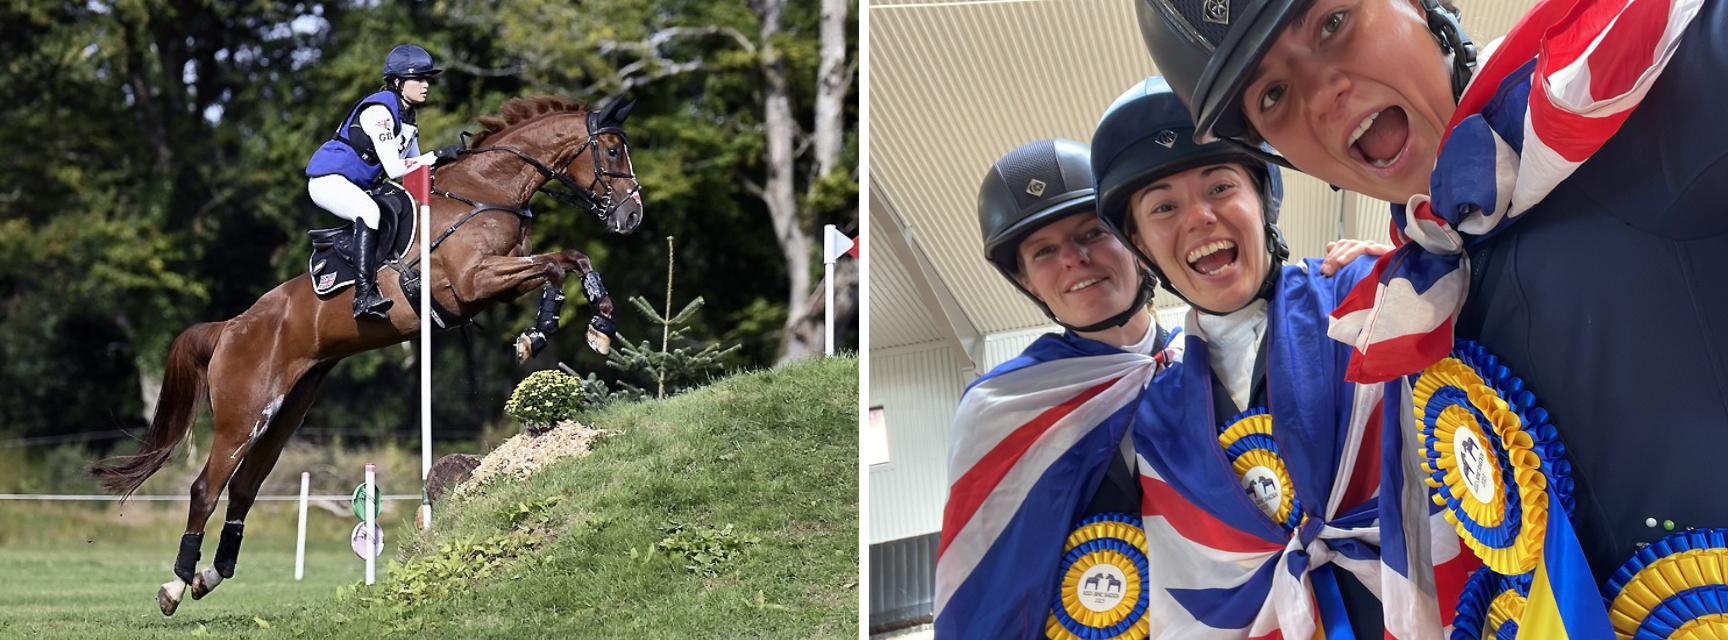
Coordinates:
x,y
727,512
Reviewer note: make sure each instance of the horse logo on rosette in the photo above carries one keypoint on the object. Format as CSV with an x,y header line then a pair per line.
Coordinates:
x,y
1471,452
1101,591
1473,465
1263,489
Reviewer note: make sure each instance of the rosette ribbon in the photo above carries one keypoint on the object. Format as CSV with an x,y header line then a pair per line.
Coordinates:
x,y
1502,475
1247,442
1675,588
1092,602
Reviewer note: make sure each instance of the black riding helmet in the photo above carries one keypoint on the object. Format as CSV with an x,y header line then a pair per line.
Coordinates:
x,y
1146,136
1209,49
1035,185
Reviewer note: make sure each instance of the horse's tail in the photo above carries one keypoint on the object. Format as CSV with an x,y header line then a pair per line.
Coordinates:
x,y
183,390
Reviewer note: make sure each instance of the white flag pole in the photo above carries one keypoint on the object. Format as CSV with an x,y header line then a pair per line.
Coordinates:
x,y
300,542
828,257
425,303
371,521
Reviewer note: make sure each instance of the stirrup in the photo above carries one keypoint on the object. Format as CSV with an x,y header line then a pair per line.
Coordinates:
x,y
378,307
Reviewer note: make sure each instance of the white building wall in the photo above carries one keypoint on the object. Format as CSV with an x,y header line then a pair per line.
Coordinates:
x,y
918,390
1002,347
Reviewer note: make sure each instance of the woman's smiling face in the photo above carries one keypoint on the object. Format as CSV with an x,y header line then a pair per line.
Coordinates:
x,y
1204,228
1079,270
1356,93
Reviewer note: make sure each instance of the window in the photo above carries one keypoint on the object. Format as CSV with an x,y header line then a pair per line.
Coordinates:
x,y
876,438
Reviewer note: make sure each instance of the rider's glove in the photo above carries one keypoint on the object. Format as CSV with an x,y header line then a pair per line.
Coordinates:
x,y
446,154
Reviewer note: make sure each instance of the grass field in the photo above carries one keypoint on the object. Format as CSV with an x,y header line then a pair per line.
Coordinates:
x,y
728,512
87,573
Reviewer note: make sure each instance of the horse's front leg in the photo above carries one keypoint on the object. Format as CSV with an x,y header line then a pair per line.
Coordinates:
x,y
517,276
601,328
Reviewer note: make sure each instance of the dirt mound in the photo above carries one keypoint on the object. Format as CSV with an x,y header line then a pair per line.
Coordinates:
x,y
523,454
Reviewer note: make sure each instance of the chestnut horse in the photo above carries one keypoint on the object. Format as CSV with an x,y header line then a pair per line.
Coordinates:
x,y
261,369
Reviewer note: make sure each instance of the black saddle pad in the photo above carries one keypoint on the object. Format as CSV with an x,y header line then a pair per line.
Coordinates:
x,y
332,263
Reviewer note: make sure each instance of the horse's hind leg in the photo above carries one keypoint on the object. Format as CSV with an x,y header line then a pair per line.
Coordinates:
x,y
231,438
254,384
255,466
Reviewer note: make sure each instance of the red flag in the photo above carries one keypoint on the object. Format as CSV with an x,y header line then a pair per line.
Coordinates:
x,y
419,185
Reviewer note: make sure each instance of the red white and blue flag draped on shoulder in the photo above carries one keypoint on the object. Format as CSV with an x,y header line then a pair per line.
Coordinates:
x,y
1555,90
1220,567
1031,441
1507,148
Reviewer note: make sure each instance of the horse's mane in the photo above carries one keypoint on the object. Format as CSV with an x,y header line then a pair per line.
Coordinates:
x,y
519,110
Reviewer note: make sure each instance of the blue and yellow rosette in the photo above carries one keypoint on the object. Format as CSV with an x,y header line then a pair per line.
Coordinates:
x,y
1103,591
1490,606
1492,455
1675,588
1247,442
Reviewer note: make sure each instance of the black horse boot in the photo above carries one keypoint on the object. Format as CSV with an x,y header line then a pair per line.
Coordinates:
x,y
367,302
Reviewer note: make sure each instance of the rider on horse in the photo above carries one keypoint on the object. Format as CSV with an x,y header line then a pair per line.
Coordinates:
x,y
377,142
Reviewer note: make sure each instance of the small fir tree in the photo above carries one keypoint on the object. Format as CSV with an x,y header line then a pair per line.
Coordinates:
x,y
669,370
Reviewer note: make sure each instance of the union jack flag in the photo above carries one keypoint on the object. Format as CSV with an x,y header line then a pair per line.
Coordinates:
x,y
1557,88
1222,569
1032,439
1035,435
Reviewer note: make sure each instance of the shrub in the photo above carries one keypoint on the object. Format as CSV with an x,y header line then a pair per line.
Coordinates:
x,y
545,398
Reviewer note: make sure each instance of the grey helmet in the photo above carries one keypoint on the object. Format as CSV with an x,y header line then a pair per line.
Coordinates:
x,y
1209,49
1035,185
1146,136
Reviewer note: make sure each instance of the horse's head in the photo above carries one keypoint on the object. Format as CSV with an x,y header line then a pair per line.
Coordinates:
x,y
577,156
602,163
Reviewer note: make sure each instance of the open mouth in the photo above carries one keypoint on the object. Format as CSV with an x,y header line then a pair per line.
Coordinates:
x,y
1212,258
1381,138
1084,284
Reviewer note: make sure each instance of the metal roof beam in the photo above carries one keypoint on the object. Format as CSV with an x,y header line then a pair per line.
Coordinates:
x,y
957,330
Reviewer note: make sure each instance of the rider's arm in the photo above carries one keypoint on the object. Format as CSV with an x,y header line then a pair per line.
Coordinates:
x,y
379,125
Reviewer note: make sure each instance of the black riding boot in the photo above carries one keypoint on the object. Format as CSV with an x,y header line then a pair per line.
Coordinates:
x,y
367,302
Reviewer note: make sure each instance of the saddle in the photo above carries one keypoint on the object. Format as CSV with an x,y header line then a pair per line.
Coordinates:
x,y
332,263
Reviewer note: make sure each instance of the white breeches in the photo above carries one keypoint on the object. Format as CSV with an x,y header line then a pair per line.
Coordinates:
x,y
341,197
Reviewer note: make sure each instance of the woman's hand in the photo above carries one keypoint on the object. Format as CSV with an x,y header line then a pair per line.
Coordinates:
x,y
1343,252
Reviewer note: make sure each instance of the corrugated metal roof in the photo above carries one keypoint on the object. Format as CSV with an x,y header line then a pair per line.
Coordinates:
x,y
954,85
897,316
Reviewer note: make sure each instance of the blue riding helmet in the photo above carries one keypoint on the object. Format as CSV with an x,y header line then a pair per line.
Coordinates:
x,y
409,61
1146,136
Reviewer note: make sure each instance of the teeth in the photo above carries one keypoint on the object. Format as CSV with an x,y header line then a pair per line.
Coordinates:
x,y
1209,249
1083,284
1382,164
1363,128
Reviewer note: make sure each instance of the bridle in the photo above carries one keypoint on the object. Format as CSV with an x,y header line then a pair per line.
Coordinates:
x,y
601,202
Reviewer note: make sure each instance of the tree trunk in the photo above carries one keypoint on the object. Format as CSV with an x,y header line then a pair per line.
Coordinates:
x,y
832,84
805,339
777,192
804,332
